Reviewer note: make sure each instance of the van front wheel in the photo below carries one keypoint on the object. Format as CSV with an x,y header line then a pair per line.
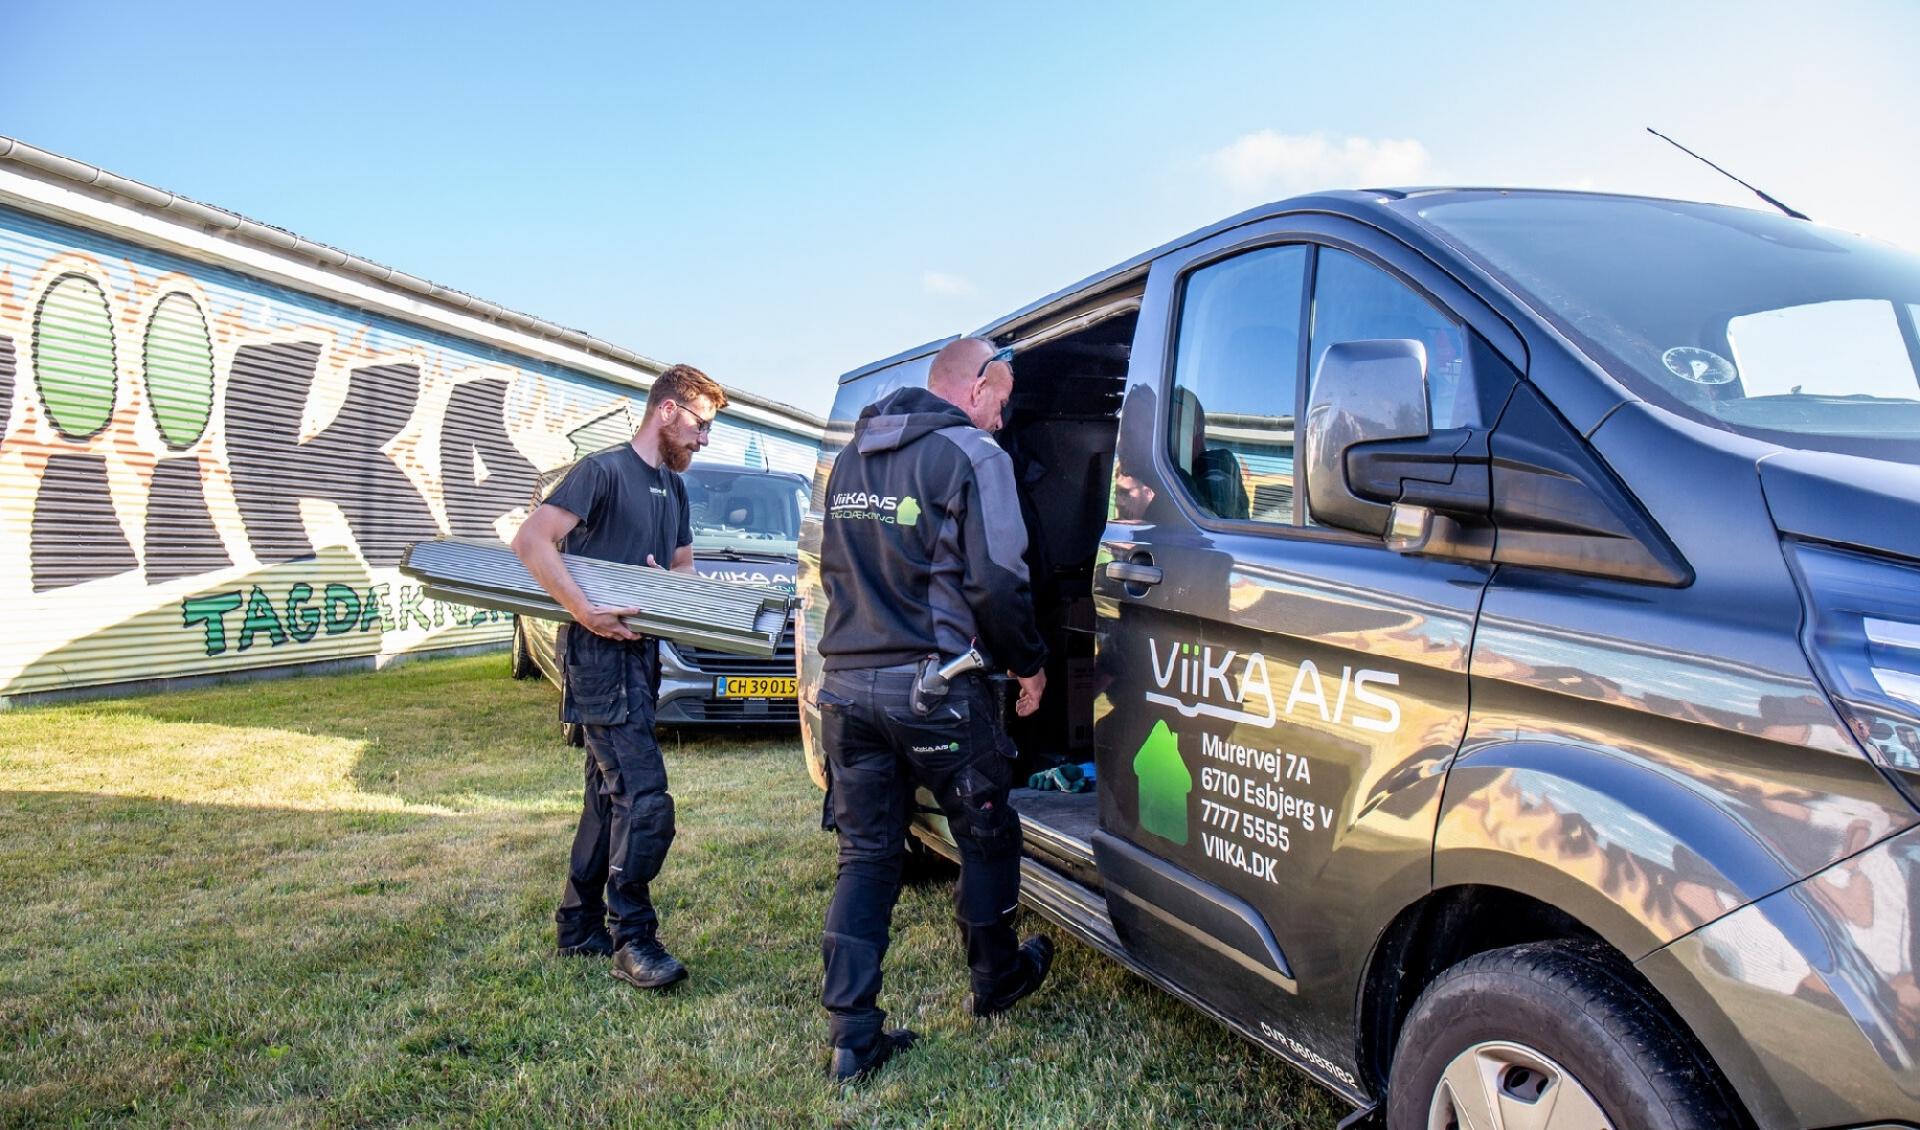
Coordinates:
x,y
522,664
1548,1037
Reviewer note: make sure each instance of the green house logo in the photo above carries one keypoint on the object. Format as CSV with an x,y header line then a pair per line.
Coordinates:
x,y
908,512
1165,782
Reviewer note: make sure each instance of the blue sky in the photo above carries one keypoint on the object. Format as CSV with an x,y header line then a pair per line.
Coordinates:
x,y
782,192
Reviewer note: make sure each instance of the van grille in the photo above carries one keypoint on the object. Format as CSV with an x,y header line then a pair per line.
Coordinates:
x,y
746,711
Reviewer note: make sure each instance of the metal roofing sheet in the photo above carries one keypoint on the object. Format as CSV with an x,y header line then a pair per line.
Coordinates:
x,y
684,607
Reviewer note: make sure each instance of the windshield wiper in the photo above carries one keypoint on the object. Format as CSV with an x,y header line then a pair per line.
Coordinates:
x,y
1827,398
735,553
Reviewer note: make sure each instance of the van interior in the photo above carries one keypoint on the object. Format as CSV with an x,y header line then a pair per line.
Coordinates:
x,y
1062,429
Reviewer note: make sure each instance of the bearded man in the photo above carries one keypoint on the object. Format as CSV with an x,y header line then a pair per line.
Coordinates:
x,y
626,504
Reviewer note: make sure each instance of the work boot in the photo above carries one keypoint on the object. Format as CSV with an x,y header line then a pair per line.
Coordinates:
x,y
647,965
597,944
851,1065
1036,957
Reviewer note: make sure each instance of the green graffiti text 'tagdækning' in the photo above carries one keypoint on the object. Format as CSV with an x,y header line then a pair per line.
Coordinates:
x,y
242,619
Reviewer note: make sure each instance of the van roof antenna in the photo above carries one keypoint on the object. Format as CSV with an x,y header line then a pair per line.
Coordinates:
x,y
1794,212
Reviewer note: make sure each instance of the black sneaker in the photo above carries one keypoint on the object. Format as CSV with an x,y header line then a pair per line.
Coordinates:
x,y
1036,957
850,1065
647,965
597,944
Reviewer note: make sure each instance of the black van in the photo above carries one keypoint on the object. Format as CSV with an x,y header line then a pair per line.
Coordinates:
x,y
1494,617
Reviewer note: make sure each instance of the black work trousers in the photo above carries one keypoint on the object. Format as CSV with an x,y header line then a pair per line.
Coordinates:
x,y
878,751
626,817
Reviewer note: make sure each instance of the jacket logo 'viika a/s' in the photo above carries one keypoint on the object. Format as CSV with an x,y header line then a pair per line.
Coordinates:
x,y
901,510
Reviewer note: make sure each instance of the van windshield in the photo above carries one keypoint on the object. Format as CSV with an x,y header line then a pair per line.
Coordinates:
x,y
1753,322
746,511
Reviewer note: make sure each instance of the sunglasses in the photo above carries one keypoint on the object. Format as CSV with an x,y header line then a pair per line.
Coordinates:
x,y
704,427
1002,355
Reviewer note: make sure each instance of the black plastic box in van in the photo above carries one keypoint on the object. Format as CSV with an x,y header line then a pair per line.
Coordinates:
x,y
1494,617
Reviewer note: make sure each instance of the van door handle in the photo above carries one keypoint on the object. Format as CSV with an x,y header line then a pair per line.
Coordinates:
x,y
1134,573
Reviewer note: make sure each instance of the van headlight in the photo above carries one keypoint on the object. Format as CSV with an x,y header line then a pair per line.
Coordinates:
x,y
1862,632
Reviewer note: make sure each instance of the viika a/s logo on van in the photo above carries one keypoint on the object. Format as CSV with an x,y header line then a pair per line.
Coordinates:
x,y
1218,682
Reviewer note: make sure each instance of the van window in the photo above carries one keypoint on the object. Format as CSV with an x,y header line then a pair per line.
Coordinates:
x,y
1353,300
1235,380
747,511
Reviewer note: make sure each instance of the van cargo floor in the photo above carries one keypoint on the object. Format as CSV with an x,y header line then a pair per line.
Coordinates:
x,y
1059,830
1075,815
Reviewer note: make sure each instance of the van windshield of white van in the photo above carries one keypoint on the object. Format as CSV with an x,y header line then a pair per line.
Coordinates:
x,y
1752,322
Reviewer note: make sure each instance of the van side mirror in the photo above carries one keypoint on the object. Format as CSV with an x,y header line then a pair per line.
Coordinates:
x,y
1526,491
1363,392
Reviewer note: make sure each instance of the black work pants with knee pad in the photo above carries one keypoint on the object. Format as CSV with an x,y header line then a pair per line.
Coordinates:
x,y
626,817
878,750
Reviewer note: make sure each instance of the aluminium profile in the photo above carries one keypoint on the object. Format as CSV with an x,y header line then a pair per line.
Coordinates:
x,y
683,607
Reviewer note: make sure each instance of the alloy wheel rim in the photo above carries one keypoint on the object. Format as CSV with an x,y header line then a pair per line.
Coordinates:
x,y
1500,1085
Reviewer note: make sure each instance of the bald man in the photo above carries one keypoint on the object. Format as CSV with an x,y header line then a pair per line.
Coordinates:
x,y
922,556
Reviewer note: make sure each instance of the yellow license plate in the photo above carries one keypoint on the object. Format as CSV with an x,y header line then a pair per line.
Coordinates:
x,y
754,686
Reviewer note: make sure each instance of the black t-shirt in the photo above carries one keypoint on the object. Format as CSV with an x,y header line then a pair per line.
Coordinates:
x,y
627,509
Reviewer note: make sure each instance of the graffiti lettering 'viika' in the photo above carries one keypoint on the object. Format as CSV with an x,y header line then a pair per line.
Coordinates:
x,y
271,468
204,469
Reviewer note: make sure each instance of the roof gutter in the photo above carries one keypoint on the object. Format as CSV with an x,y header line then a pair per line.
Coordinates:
x,y
249,231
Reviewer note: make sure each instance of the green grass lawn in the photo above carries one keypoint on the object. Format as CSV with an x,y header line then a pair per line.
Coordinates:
x,y
329,901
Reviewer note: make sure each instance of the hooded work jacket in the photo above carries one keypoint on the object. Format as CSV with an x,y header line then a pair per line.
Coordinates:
x,y
923,544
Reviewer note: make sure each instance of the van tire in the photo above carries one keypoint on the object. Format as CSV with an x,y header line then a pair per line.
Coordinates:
x,y
1580,1008
523,666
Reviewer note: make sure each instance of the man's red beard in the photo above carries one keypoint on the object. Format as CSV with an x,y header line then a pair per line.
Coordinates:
x,y
678,457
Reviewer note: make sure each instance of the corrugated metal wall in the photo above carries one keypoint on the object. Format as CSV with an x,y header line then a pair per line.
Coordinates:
x,y
203,472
